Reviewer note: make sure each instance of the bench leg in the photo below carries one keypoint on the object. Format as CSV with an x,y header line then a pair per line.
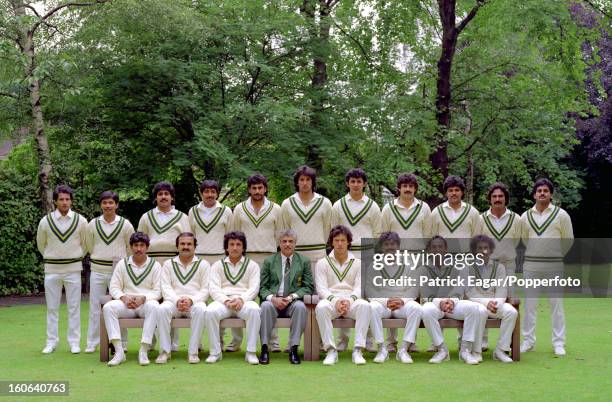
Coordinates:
x,y
308,337
516,340
315,340
104,344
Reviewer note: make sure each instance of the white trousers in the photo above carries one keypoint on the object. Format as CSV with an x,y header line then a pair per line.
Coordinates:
x,y
216,311
115,309
410,311
474,319
98,284
167,311
507,313
532,299
326,312
53,296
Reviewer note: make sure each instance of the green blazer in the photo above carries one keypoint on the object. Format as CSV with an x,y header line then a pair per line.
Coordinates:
x,y
300,276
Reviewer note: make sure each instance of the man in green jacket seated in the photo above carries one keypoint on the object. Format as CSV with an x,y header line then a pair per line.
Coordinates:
x,y
285,279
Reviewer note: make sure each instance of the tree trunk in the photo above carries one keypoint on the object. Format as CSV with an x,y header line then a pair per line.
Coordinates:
x,y
26,45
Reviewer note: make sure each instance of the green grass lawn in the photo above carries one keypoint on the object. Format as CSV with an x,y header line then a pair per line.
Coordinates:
x,y
585,373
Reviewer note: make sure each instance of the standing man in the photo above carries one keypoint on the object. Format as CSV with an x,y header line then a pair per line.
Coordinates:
x,y
455,219
135,288
548,236
234,284
492,298
396,307
260,220
309,214
285,279
410,218
210,221
361,215
338,284
62,240
184,284
163,224
108,241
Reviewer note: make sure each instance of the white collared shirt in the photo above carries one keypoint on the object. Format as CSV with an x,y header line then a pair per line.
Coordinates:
x,y
405,212
284,268
163,217
138,268
451,213
540,218
297,199
63,221
355,206
499,223
249,205
208,212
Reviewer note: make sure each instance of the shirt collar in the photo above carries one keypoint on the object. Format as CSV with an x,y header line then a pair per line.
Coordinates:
x,y
550,207
132,263
227,260
447,205
506,212
171,212
363,199
266,204
101,218
351,256
205,208
58,215
193,261
415,202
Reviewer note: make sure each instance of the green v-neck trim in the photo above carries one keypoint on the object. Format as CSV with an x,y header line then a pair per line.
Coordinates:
x,y
540,229
200,221
498,235
63,236
354,220
241,271
406,223
163,228
108,239
138,279
306,216
340,275
184,279
455,225
257,221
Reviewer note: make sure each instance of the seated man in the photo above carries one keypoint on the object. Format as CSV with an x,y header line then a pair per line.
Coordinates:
x,y
396,307
492,299
184,284
285,279
445,300
338,282
135,288
234,283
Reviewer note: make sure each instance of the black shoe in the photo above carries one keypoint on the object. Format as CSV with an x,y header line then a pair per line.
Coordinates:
x,y
264,357
294,357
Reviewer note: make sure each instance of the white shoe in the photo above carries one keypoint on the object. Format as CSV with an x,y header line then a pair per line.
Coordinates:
x,y
143,357
500,355
358,357
467,357
382,355
48,349
342,344
75,349
432,348
477,357
485,346
413,348
559,351
116,360
275,347
214,358
90,349
527,347
403,356
193,359
232,347
251,358
162,358
331,358
391,347
440,356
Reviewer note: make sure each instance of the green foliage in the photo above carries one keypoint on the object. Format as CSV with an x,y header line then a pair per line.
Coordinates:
x,y
21,269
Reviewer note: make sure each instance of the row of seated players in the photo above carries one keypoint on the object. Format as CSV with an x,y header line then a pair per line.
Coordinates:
x,y
186,282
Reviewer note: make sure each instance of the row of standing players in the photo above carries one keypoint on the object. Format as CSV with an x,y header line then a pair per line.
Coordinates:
x,y
307,213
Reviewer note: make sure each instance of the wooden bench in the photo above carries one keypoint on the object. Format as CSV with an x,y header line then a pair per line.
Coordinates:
x,y
105,345
312,300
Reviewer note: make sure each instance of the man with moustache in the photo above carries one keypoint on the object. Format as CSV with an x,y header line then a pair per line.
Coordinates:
x,y
260,220
410,218
184,284
162,224
62,240
108,241
135,289
285,279
548,235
